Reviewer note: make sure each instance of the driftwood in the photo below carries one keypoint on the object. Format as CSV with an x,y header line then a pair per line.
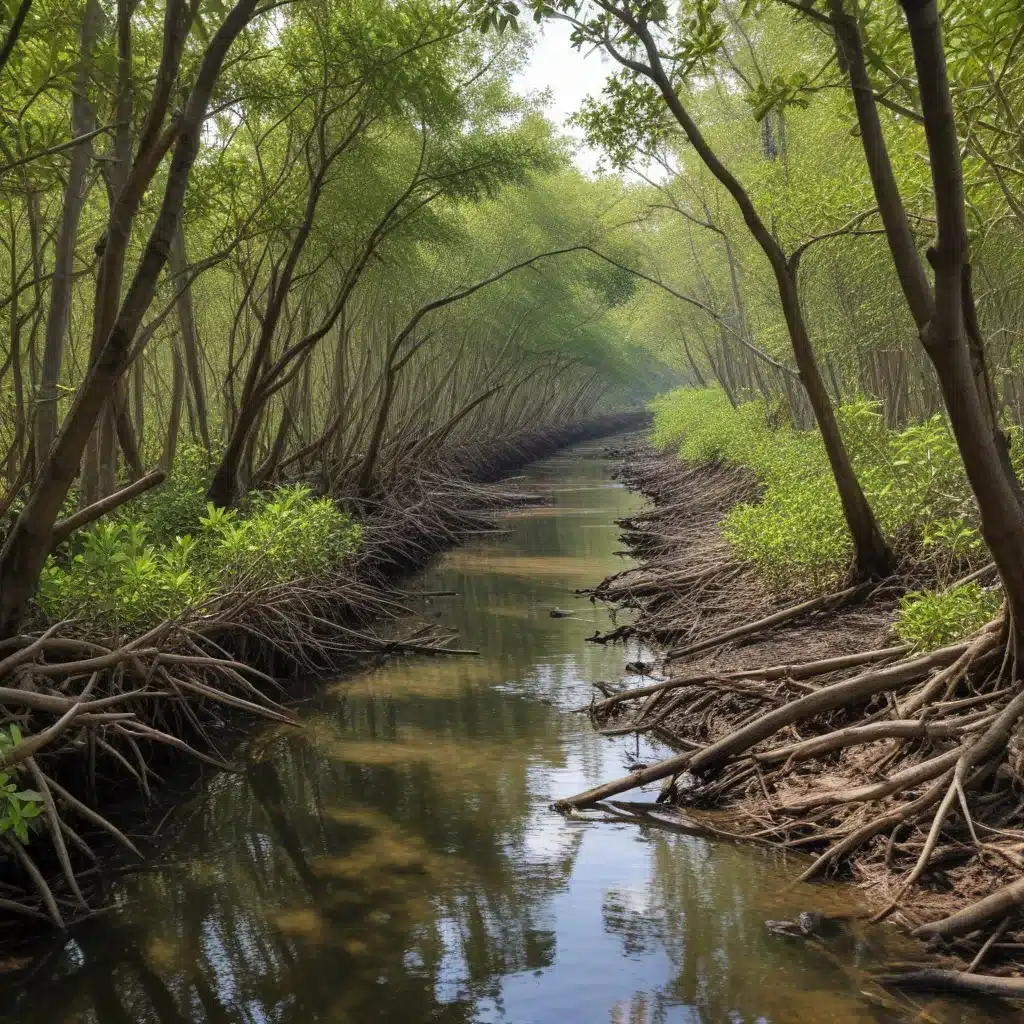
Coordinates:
x,y
937,980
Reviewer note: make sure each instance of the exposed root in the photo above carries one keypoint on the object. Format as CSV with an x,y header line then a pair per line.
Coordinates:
x,y
901,771
96,715
775,619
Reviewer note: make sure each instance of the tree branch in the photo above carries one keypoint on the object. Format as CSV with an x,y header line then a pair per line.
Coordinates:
x,y
65,527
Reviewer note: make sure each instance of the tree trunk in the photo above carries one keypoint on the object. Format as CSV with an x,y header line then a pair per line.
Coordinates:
x,y
174,419
366,471
872,555
909,267
28,544
225,480
139,400
108,452
189,335
61,282
945,335
693,362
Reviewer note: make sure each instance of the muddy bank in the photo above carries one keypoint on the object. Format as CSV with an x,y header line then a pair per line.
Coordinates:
x,y
98,725
806,725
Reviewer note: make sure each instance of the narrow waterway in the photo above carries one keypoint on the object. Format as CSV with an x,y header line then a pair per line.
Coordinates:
x,y
397,861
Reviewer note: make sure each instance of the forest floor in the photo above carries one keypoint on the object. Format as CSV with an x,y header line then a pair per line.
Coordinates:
x,y
689,594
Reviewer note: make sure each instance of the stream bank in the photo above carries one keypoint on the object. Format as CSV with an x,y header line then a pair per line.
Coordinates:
x,y
816,782
99,725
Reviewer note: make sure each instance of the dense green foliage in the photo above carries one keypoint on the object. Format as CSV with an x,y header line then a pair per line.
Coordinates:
x,y
356,161
363,167
932,618
795,534
125,575
763,84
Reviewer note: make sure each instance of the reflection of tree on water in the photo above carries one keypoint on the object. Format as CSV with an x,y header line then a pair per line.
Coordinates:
x,y
705,905
342,878
643,1008
391,862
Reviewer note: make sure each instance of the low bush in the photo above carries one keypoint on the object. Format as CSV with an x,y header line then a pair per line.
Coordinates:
x,y
175,507
796,535
124,576
19,808
930,618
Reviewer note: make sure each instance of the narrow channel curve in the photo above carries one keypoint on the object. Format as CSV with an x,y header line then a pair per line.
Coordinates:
x,y
397,860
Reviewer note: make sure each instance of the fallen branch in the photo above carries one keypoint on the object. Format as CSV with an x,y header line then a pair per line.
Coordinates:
x,y
655,773
807,670
969,919
775,619
65,527
828,698
938,980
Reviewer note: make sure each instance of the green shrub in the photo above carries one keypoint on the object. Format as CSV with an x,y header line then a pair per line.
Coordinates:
x,y
18,807
287,535
796,535
118,579
175,507
123,577
929,618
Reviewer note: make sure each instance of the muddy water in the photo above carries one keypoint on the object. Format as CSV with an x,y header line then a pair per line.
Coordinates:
x,y
397,861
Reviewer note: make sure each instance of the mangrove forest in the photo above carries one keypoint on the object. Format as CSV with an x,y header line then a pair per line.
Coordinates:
x,y
511,510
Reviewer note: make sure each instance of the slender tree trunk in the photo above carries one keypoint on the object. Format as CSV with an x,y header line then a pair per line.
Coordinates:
x,y
189,335
693,362
909,267
108,452
224,485
14,338
61,282
945,335
366,472
254,392
174,419
28,544
940,316
872,555
139,400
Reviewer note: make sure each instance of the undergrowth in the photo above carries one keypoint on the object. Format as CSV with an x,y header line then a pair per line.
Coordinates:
x,y
796,535
930,618
168,553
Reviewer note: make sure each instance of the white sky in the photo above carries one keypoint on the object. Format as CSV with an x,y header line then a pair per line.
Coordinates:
x,y
570,74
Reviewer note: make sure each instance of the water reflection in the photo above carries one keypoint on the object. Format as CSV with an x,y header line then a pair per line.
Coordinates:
x,y
396,859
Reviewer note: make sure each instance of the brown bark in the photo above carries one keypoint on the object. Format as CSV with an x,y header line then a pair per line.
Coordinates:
x,y
64,258
909,267
189,335
24,553
944,335
63,529
14,32
873,557
174,417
